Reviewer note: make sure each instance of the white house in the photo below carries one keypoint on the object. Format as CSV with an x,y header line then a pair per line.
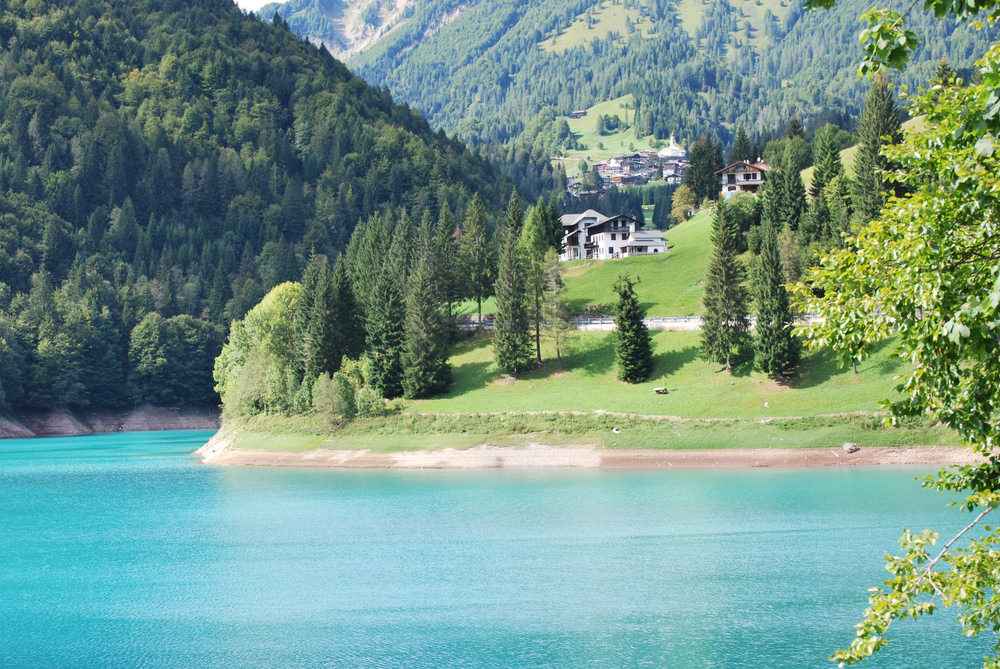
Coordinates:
x,y
592,235
742,177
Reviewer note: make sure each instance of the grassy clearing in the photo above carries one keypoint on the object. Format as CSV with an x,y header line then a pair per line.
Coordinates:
x,y
586,405
607,18
670,285
616,143
697,388
691,14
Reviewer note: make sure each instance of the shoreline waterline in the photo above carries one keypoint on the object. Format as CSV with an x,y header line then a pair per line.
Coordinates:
x,y
220,451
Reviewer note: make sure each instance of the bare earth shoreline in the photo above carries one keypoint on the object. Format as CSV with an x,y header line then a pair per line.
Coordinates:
x,y
219,451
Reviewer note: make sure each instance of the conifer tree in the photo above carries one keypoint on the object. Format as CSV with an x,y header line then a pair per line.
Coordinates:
x,y
555,311
425,358
348,329
511,335
633,347
533,244
445,260
706,159
725,327
314,274
476,256
793,192
553,224
742,150
776,351
878,125
386,335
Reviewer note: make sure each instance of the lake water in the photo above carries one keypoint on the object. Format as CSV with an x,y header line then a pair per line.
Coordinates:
x,y
122,551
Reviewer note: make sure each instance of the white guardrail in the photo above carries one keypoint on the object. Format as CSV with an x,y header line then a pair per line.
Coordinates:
x,y
674,323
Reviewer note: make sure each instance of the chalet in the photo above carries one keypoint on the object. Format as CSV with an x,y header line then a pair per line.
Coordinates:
x,y
742,177
579,113
592,235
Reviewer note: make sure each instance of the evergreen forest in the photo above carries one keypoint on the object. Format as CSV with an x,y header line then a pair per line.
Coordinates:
x,y
496,72
163,165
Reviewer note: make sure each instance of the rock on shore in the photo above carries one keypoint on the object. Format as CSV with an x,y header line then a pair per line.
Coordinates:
x,y
62,423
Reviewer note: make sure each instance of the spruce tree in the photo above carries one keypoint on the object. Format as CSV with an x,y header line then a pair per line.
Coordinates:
x,y
555,310
425,358
511,334
879,124
725,328
348,328
476,256
315,273
793,192
533,244
633,347
776,350
445,260
706,159
386,335
742,150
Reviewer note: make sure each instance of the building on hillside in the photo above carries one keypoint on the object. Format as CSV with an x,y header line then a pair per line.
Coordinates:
x,y
742,177
673,152
592,235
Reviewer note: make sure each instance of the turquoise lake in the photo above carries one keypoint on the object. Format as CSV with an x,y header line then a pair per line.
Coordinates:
x,y
123,551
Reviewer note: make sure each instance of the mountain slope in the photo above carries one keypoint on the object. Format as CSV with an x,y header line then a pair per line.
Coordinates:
x,y
486,69
179,158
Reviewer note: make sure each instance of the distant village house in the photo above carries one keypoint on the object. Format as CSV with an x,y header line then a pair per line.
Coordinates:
x,y
592,235
742,177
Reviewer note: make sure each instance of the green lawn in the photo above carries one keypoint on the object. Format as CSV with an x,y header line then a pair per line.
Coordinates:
x,y
586,405
697,388
617,143
670,285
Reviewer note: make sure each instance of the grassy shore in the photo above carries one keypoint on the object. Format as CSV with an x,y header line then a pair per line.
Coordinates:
x,y
585,405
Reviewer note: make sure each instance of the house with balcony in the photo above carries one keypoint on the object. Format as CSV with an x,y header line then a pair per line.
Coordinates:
x,y
742,177
592,235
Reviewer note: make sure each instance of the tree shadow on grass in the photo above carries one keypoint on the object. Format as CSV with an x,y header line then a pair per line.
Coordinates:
x,y
671,362
818,367
471,376
596,359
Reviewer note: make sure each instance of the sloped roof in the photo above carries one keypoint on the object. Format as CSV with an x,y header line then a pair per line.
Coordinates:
x,y
759,166
573,219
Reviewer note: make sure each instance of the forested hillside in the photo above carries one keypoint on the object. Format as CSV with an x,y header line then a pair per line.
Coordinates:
x,y
490,69
162,165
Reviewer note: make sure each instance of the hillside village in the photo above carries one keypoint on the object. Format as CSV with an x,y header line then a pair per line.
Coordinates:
x,y
668,165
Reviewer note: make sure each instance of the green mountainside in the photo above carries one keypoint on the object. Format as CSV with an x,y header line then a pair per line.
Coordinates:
x,y
162,165
489,70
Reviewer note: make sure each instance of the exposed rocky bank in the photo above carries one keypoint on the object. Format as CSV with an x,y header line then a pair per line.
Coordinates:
x,y
62,423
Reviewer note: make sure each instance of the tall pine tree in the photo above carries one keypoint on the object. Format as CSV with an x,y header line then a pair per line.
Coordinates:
x,y
633,347
386,335
511,334
879,124
776,350
476,256
725,328
533,245
425,358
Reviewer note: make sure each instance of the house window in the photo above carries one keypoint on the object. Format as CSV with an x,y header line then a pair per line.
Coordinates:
x,y
612,236
611,250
